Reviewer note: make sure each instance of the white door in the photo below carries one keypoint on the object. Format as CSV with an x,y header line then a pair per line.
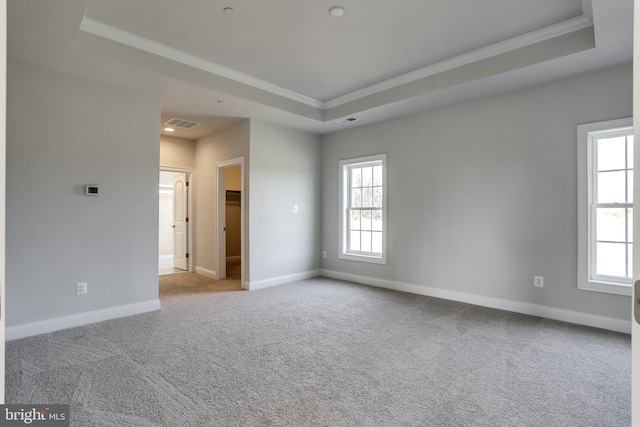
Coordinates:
x,y
180,220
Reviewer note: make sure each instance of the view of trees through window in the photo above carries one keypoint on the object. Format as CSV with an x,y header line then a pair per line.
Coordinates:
x,y
365,208
613,205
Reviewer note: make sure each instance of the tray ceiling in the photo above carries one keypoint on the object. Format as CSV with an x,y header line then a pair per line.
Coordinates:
x,y
291,62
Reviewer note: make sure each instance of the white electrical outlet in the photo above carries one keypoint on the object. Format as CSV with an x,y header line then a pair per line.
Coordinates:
x,y
538,281
81,288
324,254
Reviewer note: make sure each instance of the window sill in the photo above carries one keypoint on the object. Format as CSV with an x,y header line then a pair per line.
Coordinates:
x,y
363,258
606,287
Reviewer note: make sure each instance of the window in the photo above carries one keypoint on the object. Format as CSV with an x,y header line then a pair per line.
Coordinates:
x,y
605,206
363,210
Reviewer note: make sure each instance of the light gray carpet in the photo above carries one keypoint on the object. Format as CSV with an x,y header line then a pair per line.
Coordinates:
x,y
326,353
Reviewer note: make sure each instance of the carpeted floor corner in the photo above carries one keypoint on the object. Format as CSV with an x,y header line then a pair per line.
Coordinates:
x,y
322,352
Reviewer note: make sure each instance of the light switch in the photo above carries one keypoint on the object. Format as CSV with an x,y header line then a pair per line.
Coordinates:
x,y
295,208
92,190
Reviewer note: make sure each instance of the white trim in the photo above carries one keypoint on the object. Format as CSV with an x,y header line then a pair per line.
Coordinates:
x,y
207,273
117,35
547,312
587,8
3,182
81,319
584,144
635,335
261,284
605,287
343,203
485,52
234,258
169,168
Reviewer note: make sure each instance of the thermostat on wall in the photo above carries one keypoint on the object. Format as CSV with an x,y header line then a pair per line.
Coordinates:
x,y
92,190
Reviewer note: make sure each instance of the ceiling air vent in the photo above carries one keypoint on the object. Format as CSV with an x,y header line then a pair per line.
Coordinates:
x,y
181,123
349,120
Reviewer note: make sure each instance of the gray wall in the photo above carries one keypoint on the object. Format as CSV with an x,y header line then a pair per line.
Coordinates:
x,y
482,194
285,171
177,152
65,132
224,145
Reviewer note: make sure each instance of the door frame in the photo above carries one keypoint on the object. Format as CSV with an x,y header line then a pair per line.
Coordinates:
x,y
635,326
221,250
190,212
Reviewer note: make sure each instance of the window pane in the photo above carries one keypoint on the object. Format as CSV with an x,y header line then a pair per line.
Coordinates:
x,y
367,197
356,177
362,203
366,220
376,220
630,225
354,241
376,242
377,175
366,241
611,187
630,152
377,197
610,259
610,224
629,261
629,186
367,176
356,198
611,153
355,220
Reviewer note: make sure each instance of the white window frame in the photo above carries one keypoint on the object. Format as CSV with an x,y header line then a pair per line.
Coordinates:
x,y
343,252
587,278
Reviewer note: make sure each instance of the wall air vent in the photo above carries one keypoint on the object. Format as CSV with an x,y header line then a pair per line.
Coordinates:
x,y
182,123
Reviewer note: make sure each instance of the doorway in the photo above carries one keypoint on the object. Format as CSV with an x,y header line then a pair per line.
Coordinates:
x,y
233,221
173,222
230,220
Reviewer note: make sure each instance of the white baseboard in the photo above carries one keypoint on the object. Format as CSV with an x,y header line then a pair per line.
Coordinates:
x,y
234,258
81,319
261,284
547,312
207,273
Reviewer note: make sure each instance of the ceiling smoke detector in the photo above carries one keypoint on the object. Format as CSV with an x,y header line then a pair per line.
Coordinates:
x,y
336,11
181,123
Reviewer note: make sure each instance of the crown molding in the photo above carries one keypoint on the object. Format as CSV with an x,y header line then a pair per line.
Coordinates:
x,y
117,35
560,29
587,9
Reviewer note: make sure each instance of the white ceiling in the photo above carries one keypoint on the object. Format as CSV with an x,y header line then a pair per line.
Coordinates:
x,y
290,62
